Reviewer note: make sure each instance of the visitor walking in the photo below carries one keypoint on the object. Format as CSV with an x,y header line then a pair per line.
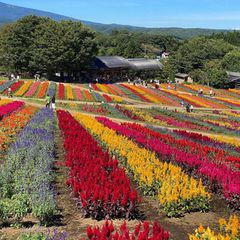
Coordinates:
x,y
53,103
90,87
188,108
48,101
9,92
182,104
211,93
191,108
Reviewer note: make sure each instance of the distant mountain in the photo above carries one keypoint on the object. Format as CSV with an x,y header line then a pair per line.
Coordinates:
x,y
10,13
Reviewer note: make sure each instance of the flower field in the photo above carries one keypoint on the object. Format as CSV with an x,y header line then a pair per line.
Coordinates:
x,y
118,161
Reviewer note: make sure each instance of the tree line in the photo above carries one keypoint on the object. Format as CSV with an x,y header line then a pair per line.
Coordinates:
x,y
41,44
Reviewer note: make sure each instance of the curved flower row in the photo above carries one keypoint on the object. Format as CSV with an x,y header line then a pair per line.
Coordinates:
x,y
43,90
52,89
189,155
102,186
12,124
61,91
15,87
26,177
175,189
9,108
69,91
32,90
5,86
79,94
23,89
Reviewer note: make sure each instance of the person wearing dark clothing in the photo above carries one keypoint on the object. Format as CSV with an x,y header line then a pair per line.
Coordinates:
x,y
53,102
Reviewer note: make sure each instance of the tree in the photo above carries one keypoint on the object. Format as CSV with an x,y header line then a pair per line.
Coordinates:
x,y
194,53
64,46
217,76
17,43
41,44
231,61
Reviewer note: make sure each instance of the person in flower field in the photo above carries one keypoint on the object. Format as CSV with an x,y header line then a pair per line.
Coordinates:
x,y
48,101
53,104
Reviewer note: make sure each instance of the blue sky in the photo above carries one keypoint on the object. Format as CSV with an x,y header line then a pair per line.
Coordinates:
x,y
221,14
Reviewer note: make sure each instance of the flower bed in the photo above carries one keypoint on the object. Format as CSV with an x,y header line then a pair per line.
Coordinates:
x,y
32,90
101,185
69,91
128,113
141,232
208,162
61,91
26,175
12,125
79,95
52,89
227,230
43,90
14,87
177,192
23,89
5,86
5,110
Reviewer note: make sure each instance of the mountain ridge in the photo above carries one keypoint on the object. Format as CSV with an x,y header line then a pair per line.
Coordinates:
x,y
11,13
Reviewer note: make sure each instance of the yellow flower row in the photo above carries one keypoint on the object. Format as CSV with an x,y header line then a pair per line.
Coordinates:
x,y
234,91
234,101
172,185
103,88
226,139
230,113
188,97
69,91
145,94
4,101
23,89
221,123
117,99
228,231
145,116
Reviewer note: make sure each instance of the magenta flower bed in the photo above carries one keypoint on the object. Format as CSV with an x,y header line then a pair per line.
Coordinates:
x,y
32,90
7,109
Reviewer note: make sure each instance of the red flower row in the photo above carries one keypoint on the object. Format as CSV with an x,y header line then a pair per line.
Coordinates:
x,y
141,232
7,109
128,113
102,186
61,91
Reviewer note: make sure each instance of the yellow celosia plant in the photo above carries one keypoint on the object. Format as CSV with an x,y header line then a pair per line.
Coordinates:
x,y
227,231
176,191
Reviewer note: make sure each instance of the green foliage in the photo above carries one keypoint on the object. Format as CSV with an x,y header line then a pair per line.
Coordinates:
x,y
231,61
196,52
41,44
130,45
32,236
230,37
217,76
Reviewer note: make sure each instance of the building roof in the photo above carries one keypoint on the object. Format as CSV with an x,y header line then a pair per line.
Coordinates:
x,y
181,75
109,62
234,74
145,64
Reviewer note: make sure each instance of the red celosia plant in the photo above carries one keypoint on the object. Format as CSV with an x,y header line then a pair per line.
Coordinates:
x,y
141,232
96,179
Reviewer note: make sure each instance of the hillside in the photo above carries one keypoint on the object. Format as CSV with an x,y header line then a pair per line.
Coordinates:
x,y
11,13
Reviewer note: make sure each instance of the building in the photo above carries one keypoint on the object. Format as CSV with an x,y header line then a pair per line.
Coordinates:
x,y
183,78
115,68
234,79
